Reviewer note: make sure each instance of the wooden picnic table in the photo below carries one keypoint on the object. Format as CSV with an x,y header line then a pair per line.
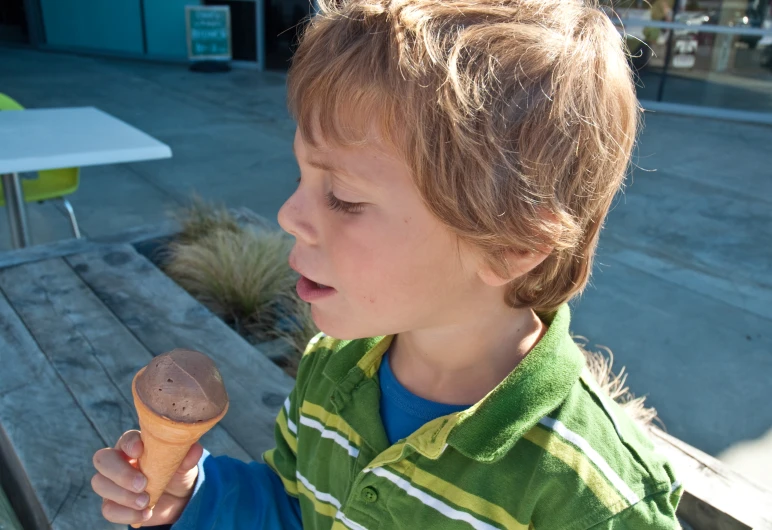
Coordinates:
x,y
79,318
74,330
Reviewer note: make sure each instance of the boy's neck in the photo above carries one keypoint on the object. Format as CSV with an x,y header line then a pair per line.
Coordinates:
x,y
460,363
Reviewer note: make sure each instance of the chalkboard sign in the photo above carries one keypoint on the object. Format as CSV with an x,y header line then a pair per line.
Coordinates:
x,y
209,32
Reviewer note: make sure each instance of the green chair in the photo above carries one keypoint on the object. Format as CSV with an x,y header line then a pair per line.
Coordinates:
x,y
51,183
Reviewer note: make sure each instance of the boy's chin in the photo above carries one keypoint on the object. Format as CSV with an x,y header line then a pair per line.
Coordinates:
x,y
340,327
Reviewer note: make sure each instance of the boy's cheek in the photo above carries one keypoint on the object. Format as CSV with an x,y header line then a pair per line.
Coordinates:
x,y
358,264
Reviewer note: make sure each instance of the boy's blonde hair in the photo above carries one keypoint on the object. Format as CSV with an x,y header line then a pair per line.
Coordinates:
x,y
516,117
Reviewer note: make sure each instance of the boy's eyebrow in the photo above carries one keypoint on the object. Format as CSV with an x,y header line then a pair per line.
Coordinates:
x,y
318,164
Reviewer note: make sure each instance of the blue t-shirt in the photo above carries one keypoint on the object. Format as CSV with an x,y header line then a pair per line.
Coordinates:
x,y
402,412
230,493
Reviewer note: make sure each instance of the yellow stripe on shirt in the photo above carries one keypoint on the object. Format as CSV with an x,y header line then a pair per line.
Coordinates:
x,y
581,464
281,421
321,507
330,420
289,485
442,488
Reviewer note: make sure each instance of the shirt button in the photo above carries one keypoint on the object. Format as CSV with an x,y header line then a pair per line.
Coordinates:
x,y
369,494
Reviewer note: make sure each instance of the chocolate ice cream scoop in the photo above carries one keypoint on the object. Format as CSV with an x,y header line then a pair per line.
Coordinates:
x,y
183,385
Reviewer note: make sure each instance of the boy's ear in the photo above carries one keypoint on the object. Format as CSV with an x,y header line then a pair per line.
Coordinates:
x,y
518,263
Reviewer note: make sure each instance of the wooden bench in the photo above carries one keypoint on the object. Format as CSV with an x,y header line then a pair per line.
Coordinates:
x,y
78,319
74,331
715,497
8,519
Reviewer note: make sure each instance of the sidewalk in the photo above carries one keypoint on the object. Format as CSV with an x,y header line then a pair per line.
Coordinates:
x,y
230,135
682,291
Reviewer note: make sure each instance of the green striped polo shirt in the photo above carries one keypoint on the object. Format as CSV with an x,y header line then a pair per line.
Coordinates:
x,y
545,449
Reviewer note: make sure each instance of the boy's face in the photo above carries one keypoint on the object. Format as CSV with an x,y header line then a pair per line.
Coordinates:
x,y
362,230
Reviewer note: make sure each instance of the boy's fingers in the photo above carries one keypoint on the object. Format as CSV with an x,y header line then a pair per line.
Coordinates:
x,y
168,508
191,459
115,513
112,465
131,444
109,490
185,478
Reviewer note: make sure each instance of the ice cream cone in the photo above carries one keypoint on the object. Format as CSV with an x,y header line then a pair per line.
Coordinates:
x,y
166,442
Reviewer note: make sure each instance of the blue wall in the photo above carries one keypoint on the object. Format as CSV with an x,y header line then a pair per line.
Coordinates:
x,y
111,25
165,26
116,25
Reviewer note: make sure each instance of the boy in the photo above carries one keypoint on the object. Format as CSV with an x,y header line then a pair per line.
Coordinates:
x,y
457,162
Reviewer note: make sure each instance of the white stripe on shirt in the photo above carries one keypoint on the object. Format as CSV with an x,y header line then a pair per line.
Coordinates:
x,y
290,423
331,435
329,499
593,455
430,501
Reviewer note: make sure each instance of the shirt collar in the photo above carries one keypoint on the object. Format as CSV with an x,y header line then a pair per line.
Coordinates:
x,y
487,430
355,358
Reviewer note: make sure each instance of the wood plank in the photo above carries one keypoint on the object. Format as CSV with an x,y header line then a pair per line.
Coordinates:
x,y
46,439
66,247
163,316
92,352
14,480
716,497
8,519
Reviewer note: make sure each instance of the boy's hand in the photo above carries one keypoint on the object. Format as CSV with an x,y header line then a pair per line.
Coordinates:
x,y
121,485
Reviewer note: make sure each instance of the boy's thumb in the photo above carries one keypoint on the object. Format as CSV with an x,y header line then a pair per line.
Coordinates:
x,y
148,516
191,459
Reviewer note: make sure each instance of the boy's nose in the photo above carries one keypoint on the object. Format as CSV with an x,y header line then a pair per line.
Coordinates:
x,y
294,219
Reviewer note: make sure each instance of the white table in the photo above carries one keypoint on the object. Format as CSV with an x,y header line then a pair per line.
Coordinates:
x,y
37,139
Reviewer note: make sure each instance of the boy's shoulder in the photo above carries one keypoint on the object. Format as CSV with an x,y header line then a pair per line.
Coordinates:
x,y
596,465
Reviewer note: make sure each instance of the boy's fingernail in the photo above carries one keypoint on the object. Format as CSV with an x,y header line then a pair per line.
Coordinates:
x,y
139,483
142,500
146,513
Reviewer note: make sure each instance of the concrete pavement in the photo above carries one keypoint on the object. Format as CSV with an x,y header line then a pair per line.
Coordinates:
x,y
682,290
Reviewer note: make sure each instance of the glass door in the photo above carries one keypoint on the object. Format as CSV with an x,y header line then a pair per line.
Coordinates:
x,y
707,53
243,27
284,21
13,21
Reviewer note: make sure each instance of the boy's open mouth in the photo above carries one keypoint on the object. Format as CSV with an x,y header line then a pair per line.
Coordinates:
x,y
311,291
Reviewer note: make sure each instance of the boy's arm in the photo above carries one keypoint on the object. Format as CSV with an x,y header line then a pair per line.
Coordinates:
x,y
233,494
282,459
655,512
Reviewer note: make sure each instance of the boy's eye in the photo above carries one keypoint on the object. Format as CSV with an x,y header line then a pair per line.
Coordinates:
x,y
337,205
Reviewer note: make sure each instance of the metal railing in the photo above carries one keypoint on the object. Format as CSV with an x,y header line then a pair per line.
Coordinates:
x,y
699,28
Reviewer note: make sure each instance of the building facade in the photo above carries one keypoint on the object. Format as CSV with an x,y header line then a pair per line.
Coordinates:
x,y
704,57
262,31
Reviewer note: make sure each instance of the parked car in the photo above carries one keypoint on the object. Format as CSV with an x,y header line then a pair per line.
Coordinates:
x,y
750,18
766,57
644,42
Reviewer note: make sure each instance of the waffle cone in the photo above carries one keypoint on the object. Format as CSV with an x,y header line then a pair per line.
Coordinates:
x,y
166,442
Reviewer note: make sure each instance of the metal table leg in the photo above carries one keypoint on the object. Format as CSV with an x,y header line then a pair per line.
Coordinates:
x,y
17,214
